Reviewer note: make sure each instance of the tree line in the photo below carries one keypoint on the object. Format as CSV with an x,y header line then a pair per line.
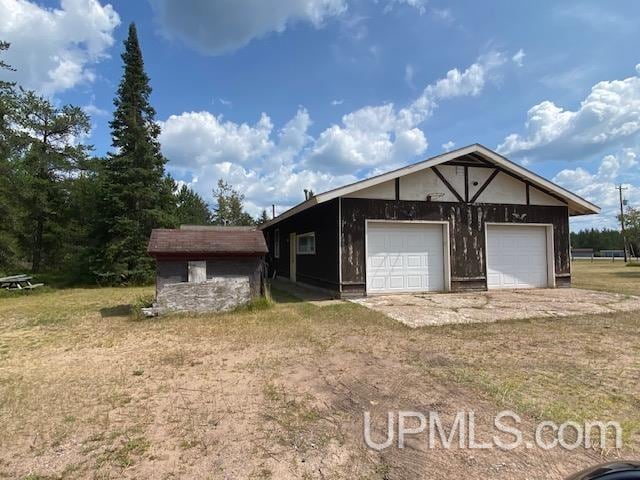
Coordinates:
x,y
64,209
609,239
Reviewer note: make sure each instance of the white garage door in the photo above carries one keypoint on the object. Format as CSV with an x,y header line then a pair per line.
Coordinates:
x,y
403,257
516,256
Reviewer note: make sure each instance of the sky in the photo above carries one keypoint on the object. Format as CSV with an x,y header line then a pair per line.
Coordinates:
x,y
279,96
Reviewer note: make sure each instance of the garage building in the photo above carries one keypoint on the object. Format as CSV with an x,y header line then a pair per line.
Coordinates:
x,y
465,220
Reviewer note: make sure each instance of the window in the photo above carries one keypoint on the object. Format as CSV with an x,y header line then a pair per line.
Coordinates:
x,y
276,244
197,271
306,244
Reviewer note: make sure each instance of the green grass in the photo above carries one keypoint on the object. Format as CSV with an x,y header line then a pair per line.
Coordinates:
x,y
606,276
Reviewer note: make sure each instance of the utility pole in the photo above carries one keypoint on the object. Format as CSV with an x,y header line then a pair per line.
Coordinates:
x,y
624,238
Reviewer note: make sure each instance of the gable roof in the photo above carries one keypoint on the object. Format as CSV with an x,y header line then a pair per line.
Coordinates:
x,y
577,205
191,240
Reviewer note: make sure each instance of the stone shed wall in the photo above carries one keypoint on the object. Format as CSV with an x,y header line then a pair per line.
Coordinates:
x,y
218,294
231,282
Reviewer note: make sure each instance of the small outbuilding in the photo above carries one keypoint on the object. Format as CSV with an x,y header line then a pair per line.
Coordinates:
x,y
207,269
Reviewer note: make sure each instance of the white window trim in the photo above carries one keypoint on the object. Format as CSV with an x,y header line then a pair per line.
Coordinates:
x,y
276,243
306,235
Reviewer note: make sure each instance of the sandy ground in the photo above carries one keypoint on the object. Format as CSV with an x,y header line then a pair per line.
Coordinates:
x,y
163,406
422,310
86,392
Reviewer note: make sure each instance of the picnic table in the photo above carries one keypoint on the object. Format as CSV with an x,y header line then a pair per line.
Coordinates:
x,y
18,282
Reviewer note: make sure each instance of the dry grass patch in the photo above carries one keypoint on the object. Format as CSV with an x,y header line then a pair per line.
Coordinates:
x,y
279,392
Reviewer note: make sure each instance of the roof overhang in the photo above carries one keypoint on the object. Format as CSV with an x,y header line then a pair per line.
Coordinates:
x,y
577,205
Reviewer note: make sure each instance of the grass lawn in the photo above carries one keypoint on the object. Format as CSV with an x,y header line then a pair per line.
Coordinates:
x,y
606,275
88,392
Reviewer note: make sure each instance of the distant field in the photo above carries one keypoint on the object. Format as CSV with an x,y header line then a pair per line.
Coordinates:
x,y
88,392
606,275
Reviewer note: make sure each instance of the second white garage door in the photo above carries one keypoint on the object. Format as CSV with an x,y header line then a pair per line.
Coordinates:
x,y
516,256
404,257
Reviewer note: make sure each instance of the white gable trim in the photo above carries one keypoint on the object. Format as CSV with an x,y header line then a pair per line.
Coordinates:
x,y
577,205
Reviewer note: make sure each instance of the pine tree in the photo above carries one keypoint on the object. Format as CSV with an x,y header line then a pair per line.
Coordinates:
x,y
48,136
229,209
137,194
8,205
191,208
263,218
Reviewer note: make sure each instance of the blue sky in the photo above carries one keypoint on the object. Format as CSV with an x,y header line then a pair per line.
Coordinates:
x,y
280,96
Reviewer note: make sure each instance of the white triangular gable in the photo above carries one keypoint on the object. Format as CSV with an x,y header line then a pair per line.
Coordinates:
x,y
418,178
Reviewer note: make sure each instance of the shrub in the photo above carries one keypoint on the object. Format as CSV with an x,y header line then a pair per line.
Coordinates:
x,y
144,301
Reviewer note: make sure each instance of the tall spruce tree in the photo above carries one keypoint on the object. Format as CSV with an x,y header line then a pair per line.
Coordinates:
x,y
137,194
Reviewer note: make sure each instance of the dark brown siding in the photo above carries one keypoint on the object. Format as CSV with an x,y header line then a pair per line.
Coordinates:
x,y
320,269
171,271
466,228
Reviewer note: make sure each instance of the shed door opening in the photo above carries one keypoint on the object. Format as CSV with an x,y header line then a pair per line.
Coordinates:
x,y
197,271
517,257
405,257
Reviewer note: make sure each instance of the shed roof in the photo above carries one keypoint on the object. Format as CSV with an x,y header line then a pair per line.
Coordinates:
x,y
207,241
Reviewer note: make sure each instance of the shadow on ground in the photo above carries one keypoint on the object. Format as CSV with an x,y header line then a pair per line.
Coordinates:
x,y
116,311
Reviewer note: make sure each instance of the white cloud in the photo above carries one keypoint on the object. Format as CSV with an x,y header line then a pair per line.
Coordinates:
x,y
216,27
470,82
94,111
368,137
450,145
443,14
600,187
420,5
198,138
608,118
373,136
337,102
518,58
274,166
52,50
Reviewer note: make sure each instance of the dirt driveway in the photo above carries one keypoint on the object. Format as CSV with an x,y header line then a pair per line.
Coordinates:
x,y
421,310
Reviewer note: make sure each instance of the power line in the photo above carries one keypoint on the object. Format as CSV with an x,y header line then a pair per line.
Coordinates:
x,y
620,188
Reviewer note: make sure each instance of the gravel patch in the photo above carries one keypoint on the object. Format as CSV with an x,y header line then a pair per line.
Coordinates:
x,y
420,310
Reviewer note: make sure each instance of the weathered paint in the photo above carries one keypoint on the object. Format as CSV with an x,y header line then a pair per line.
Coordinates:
x,y
467,234
320,269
